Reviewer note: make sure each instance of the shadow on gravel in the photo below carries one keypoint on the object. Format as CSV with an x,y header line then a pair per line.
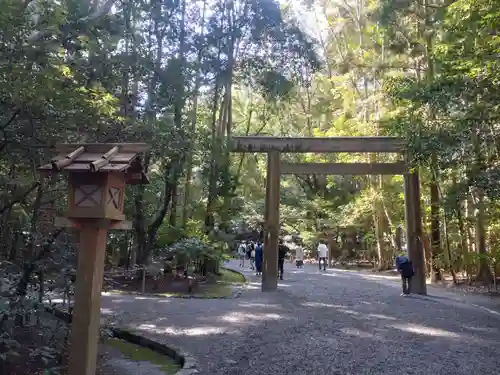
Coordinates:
x,y
357,325
439,321
435,295
277,333
256,285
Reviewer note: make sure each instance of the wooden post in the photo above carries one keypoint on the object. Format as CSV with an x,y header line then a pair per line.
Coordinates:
x,y
330,250
413,217
95,205
86,312
143,281
272,218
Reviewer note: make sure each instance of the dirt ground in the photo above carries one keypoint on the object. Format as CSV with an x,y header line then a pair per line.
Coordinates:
x,y
160,285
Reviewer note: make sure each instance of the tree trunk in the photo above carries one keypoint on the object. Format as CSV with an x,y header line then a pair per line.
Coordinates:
x,y
448,251
484,272
194,112
433,185
435,230
214,164
172,220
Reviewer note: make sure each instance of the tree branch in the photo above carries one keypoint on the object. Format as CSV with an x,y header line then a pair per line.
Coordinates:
x,y
29,267
11,119
171,177
97,13
20,198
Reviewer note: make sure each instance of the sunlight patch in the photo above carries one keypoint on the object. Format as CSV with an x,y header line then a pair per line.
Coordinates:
x,y
321,304
422,330
240,317
349,312
120,300
255,304
380,316
253,286
285,285
487,310
57,300
195,331
356,332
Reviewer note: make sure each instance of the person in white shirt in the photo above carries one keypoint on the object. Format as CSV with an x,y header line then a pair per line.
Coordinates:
x,y
242,252
322,255
252,256
299,256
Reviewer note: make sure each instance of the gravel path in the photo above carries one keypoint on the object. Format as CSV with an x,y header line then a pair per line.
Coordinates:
x,y
333,322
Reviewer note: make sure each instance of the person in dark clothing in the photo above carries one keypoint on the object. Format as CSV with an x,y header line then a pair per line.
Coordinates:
x,y
258,258
249,249
282,251
405,268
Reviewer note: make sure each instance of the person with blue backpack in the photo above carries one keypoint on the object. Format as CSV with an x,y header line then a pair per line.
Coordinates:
x,y
405,269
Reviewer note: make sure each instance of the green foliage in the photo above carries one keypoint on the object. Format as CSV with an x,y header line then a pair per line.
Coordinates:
x,y
192,249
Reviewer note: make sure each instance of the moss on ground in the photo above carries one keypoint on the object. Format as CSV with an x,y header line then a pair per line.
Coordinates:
x,y
228,276
139,353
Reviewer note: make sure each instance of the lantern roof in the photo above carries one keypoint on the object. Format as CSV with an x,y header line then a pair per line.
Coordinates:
x,y
100,157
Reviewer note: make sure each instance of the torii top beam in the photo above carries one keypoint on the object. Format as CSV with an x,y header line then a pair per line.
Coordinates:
x,y
317,144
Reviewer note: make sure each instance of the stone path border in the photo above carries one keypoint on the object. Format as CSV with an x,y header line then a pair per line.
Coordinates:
x,y
188,364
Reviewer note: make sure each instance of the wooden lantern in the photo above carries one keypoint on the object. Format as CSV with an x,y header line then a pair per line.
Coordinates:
x,y
96,195
97,176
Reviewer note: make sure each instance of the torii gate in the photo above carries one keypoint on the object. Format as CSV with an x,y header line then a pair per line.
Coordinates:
x,y
273,146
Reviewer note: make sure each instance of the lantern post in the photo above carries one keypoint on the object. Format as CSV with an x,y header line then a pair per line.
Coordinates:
x,y
97,177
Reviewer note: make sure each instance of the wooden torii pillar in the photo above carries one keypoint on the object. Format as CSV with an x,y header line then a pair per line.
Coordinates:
x,y
271,223
413,217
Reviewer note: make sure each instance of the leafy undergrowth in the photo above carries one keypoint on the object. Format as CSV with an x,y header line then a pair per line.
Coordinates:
x,y
219,287
474,288
140,354
465,287
41,346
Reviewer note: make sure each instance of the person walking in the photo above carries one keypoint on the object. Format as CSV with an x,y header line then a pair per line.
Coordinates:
x,y
405,269
282,251
322,255
252,256
249,249
258,258
299,256
242,252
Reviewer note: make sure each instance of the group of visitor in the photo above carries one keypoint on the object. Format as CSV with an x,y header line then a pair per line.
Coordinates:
x,y
253,251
